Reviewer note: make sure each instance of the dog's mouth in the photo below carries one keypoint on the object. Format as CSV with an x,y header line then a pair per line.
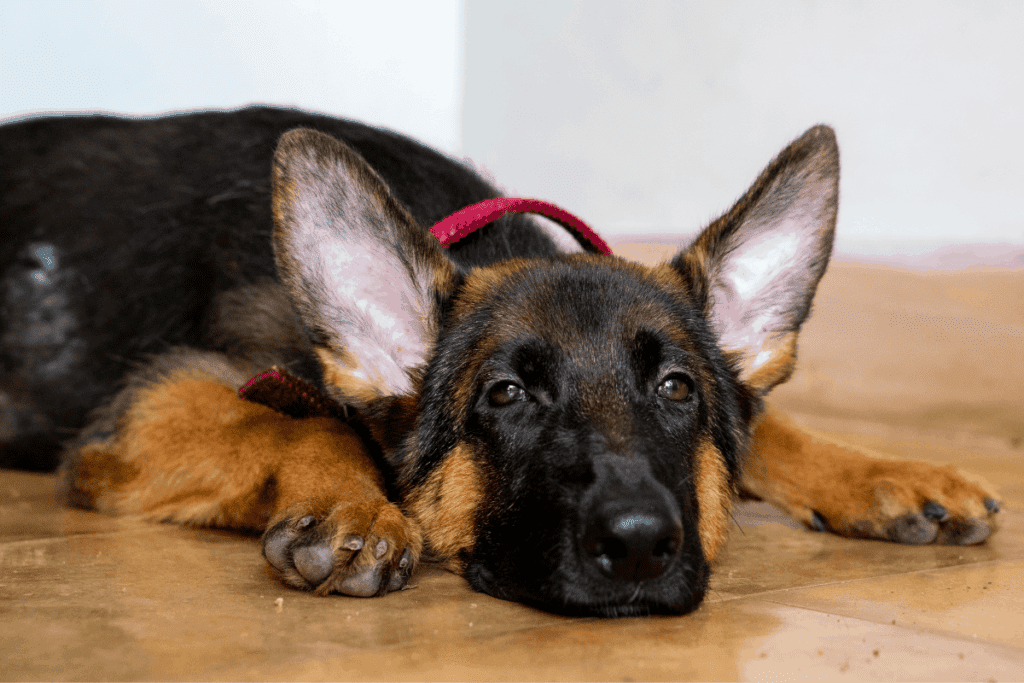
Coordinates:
x,y
676,592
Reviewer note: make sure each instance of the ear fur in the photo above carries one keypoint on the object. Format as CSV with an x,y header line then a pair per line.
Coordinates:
x,y
362,274
755,269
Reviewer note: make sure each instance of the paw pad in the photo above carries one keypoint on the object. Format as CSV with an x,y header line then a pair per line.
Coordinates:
x,y
913,529
322,555
314,562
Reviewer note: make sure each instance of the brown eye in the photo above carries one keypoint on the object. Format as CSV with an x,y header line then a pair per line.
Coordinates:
x,y
506,393
676,388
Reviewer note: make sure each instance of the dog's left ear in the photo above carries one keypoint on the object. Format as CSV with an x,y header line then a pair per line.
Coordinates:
x,y
755,270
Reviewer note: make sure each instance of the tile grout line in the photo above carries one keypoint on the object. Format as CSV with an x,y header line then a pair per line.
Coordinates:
x,y
55,539
772,597
775,591
953,635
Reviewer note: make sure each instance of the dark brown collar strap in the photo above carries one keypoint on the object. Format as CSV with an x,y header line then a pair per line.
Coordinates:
x,y
461,223
284,392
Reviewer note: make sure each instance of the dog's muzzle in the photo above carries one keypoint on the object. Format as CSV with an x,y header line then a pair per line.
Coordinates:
x,y
632,530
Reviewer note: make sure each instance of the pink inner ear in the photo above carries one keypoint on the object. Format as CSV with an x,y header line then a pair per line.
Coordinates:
x,y
461,223
378,309
759,284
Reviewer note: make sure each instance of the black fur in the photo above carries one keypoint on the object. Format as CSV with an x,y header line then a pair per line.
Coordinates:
x,y
583,390
550,465
145,222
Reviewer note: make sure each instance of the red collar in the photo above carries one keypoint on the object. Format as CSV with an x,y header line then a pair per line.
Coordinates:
x,y
475,216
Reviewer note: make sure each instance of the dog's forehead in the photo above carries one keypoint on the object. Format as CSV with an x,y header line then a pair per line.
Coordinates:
x,y
580,300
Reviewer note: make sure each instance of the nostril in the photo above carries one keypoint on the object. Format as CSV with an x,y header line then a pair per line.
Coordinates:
x,y
608,552
666,547
632,545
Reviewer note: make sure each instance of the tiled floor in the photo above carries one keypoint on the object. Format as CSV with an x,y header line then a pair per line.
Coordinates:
x,y
86,597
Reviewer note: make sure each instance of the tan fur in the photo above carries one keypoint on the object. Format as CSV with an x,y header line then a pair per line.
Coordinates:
x,y
714,498
668,278
201,455
190,451
351,380
859,495
776,369
482,283
446,506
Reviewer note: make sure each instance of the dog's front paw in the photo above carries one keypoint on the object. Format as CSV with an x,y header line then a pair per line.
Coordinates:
x,y
361,549
830,486
907,502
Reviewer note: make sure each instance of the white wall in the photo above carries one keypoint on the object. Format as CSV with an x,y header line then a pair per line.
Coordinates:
x,y
390,62
651,117
643,117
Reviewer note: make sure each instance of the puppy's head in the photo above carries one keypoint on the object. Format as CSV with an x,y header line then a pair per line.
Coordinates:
x,y
567,431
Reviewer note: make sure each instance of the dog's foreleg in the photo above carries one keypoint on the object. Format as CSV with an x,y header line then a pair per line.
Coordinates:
x,y
188,450
835,487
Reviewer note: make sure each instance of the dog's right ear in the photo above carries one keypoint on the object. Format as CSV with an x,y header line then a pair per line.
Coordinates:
x,y
755,270
364,277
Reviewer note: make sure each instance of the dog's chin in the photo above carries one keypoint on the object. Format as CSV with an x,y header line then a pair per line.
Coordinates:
x,y
586,598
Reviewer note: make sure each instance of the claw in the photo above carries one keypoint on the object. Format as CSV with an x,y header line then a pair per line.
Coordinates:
x,y
406,560
352,542
402,573
935,512
818,522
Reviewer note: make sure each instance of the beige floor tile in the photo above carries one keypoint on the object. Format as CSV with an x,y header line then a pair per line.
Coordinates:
x,y
29,510
26,487
178,603
739,640
983,602
172,603
84,596
939,351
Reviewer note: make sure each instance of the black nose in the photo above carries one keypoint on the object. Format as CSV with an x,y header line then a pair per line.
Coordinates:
x,y
632,543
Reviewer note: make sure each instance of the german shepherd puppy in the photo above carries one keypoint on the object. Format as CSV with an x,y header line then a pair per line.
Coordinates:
x,y
562,428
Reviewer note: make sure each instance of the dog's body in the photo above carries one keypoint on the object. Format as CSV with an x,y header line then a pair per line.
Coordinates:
x,y
563,428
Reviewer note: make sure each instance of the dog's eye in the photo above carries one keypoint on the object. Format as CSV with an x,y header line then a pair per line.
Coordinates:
x,y
505,393
676,387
